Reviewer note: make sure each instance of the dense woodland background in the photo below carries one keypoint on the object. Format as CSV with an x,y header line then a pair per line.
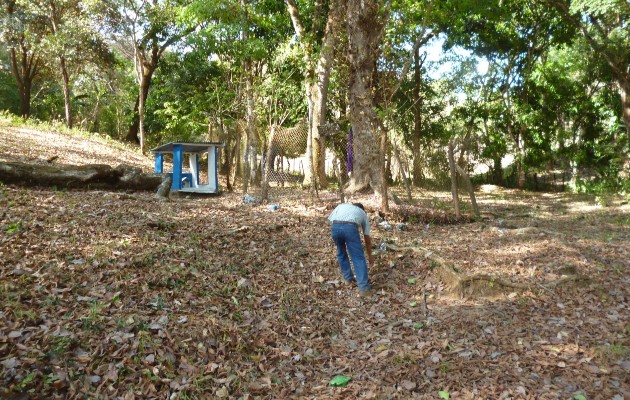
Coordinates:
x,y
552,106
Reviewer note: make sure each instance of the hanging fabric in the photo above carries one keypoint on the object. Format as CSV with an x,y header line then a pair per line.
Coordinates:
x,y
350,153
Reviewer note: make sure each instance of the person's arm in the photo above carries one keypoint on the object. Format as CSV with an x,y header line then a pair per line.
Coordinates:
x,y
368,247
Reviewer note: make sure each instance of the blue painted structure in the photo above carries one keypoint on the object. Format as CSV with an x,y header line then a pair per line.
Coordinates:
x,y
190,182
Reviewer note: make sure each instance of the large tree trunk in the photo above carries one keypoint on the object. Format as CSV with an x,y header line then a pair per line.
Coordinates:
x,y
364,34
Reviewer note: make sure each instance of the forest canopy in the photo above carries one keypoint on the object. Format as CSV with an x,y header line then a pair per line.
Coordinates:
x,y
552,106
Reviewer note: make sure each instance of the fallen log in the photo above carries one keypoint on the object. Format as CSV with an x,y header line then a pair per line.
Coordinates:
x,y
90,176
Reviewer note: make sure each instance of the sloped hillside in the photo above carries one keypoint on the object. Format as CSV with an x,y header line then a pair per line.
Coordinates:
x,y
38,146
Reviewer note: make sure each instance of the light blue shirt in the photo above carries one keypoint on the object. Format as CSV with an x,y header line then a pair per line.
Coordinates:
x,y
348,212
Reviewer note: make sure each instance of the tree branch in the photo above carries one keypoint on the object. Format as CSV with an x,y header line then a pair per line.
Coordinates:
x,y
295,18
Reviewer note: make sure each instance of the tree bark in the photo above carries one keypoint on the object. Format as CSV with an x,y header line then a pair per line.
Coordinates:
x,y
520,160
66,91
384,189
364,28
452,167
402,172
55,17
417,122
471,190
317,80
146,69
624,89
24,65
250,113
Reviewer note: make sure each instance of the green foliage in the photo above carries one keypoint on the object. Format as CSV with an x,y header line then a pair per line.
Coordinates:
x,y
9,99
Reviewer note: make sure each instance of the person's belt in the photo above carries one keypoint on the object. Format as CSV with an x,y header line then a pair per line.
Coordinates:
x,y
345,222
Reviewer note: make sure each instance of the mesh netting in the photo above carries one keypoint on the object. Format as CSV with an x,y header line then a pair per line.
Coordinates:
x,y
285,161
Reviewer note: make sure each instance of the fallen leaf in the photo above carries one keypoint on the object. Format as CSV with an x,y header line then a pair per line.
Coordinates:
x,y
340,381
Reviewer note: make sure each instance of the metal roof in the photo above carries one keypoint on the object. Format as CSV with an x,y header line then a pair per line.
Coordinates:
x,y
187,147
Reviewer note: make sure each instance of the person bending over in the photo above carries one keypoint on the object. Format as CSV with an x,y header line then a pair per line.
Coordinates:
x,y
347,219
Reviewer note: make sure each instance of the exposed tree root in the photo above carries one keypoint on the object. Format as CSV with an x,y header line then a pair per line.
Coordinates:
x,y
468,285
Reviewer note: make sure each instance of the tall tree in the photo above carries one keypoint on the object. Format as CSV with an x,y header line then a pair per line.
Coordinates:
x,y
516,33
604,25
145,30
21,32
365,23
317,45
69,39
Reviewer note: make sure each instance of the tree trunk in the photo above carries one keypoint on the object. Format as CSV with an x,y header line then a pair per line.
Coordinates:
x,y
384,189
66,91
471,190
624,90
316,82
497,172
454,191
136,133
402,172
132,133
519,156
24,71
322,73
364,34
25,99
144,88
250,111
417,121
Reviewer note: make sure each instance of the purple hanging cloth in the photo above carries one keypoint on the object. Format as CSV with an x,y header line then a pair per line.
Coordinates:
x,y
350,153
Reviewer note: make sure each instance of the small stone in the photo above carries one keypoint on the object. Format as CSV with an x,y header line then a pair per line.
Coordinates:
x,y
244,282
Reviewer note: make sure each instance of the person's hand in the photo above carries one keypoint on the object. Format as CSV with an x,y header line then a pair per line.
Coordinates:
x,y
371,260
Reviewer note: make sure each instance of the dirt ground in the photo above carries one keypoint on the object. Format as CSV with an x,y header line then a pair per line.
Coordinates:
x,y
121,295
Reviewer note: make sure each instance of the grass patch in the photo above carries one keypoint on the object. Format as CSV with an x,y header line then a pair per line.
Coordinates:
x,y
614,352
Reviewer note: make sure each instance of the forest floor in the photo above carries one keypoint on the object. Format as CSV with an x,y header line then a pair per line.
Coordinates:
x,y
121,295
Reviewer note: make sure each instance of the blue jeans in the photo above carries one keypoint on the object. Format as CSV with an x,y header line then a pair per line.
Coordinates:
x,y
348,241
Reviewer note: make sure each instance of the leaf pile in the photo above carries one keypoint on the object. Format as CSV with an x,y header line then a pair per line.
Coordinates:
x,y
122,296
